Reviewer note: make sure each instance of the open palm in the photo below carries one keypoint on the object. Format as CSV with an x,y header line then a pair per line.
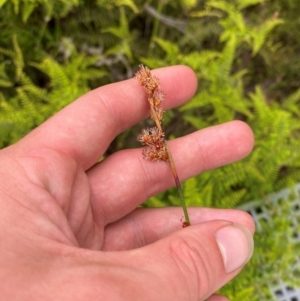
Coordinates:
x,y
60,210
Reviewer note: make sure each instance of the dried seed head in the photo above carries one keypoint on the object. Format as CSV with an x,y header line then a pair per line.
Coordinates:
x,y
151,136
146,79
157,98
151,153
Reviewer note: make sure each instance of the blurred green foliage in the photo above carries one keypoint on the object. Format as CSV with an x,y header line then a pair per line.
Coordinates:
x,y
245,54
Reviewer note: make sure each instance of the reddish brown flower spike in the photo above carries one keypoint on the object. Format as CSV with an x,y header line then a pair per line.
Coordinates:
x,y
146,79
156,148
151,153
151,136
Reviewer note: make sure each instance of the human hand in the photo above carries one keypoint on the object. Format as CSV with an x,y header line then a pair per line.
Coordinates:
x,y
69,228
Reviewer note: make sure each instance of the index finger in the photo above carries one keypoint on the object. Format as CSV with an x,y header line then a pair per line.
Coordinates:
x,y
85,128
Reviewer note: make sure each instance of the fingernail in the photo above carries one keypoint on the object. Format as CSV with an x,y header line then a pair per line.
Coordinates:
x,y
236,246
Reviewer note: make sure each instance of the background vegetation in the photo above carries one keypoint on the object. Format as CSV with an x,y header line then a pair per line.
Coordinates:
x,y
246,56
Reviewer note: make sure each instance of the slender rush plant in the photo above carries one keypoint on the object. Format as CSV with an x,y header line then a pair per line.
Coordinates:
x,y
156,147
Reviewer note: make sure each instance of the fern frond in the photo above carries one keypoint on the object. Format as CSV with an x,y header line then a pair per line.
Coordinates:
x,y
291,102
4,79
153,62
224,65
235,16
5,83
196,121
261,34
231,200
200,100
222,5
54,71
206,197
156,202
199,62
171,49
7,52
26,104
263,112
122,31
27,9
28,86
191,191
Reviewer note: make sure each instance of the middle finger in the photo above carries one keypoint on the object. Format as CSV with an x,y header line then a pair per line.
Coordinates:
x,y
124,180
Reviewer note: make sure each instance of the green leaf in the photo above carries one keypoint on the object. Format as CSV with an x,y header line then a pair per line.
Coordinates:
x,y
191,191
2,2
4,79
259,36
171,49
225,61
54,71
28,8
122,31
196,122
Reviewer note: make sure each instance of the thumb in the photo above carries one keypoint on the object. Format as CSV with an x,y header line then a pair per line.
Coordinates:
x,y
193,263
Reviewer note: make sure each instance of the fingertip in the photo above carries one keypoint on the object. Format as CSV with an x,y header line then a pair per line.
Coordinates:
x,y
238,216
189,76
244,218
246,136
180,79
236,246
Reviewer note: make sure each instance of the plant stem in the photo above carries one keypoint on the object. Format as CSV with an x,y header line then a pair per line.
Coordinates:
x,y
178,185
172,166
155,118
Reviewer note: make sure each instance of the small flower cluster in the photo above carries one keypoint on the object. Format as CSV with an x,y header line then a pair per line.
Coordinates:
x,y
153,138
155,149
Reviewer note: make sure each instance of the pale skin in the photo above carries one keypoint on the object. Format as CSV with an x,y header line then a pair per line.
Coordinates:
x,y
63,217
